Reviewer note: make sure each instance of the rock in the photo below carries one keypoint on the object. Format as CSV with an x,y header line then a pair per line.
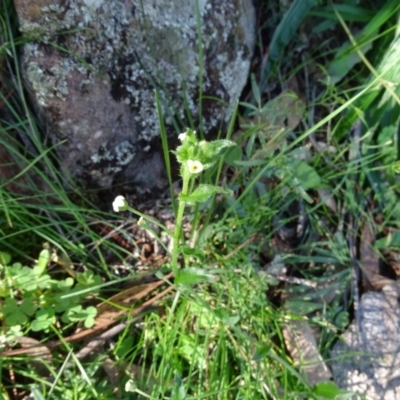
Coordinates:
x,y
367,359
92,67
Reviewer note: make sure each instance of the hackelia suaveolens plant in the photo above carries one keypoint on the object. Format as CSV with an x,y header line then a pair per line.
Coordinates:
x,y
195,156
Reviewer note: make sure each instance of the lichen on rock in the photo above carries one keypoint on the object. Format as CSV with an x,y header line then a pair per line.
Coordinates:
x,y
93,66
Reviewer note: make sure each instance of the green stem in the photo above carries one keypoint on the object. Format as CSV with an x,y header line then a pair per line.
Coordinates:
x,y
178,226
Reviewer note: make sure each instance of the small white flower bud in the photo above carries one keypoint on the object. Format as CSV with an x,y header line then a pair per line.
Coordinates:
x,y
182,136
120,204
195,166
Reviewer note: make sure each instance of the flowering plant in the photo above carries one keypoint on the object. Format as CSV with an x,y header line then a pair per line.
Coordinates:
x,y
195,157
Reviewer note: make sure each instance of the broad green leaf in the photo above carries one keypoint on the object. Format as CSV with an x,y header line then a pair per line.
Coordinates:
x,y
28,306
13,315
203,193
73,314
5,258
26,280
65,284
305,174
44,319
78,313
327,390
88,278
15,318
233,155
192,276
91,313
44,281
189,251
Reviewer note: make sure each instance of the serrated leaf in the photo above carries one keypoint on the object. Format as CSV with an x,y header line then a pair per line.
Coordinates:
x,y
192,276
203,193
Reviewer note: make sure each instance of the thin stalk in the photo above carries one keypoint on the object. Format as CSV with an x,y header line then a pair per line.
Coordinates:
x,y
178,226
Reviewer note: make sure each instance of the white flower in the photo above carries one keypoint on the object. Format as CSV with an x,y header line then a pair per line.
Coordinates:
x,y
182,136
120,204
194,166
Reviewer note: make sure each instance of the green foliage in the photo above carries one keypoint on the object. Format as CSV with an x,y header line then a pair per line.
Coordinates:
x,y
32,298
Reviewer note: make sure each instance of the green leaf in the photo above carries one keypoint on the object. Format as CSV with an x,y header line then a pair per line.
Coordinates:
x,y
233,155
77,313
203,193
65,284
44,319
44,258
392,240
188,251
300,307
44,281
327,390
192,276
88,279
15,318
261,352
226,318
25,280
306,175
4,289
5,258
91,313
28,306
13,313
